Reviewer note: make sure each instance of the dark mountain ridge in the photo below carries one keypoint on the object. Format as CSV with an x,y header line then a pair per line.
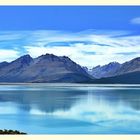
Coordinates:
x,y
128,78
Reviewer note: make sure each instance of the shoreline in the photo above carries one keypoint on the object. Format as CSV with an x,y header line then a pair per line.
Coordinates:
x,y
71,84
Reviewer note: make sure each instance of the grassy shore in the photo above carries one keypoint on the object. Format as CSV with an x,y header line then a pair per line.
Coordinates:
x,y
12,132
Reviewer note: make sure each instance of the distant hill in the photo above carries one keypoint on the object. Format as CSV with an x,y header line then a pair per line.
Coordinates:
x,y
129,66
105,71
129,78
126,73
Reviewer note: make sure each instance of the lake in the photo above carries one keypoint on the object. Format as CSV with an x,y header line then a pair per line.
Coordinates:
x,y
70,108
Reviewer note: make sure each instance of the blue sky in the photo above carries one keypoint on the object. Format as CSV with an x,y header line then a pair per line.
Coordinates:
x,y
89,35
68,18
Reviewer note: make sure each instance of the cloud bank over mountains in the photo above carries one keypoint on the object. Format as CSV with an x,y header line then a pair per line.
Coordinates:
x,y
87,48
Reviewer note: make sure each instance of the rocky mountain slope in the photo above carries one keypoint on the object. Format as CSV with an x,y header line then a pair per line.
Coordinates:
x,y
45,68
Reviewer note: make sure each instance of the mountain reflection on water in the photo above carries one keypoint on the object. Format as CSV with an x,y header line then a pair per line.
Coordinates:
x,y
93,104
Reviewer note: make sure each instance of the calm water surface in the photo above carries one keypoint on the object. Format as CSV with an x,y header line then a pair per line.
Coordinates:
x,y
70,108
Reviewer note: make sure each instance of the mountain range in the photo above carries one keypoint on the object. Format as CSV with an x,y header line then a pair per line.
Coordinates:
x,y
50,68
114,72
45,68
104,71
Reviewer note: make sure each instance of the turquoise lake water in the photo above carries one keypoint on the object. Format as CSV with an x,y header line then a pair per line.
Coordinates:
x,y
70,108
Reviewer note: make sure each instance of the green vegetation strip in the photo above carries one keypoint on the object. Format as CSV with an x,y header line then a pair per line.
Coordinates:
x,y
5,131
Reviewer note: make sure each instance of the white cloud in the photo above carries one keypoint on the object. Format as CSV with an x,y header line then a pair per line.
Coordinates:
x,y
135,20
103,46
8,55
